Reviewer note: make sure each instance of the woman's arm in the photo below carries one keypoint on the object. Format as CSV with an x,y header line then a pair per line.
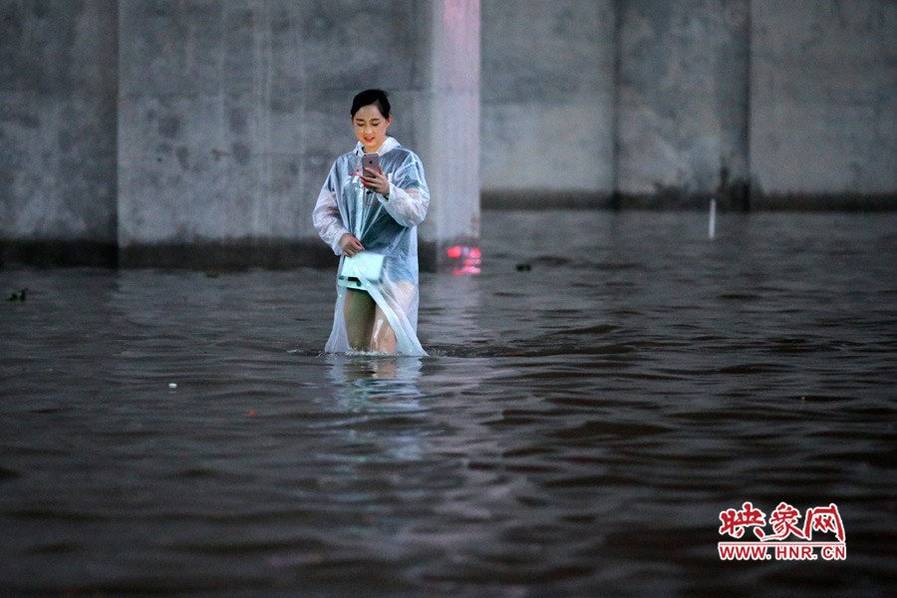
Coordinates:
x,y
326,216
409,197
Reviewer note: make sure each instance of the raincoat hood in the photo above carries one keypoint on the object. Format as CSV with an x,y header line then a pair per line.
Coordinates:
x,y
388,144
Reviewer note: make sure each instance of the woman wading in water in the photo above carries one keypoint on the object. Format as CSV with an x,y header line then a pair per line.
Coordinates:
x,y
364,210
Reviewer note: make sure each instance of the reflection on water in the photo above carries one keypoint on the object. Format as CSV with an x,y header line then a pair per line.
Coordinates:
x,y
381,385
376,376
579,424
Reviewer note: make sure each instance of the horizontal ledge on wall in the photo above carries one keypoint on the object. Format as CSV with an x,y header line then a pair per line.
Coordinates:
x,y
208,255
737,198
825,202
591,200
228,255
58,252
242,254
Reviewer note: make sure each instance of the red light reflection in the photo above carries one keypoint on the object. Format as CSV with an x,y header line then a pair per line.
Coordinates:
x,y
467,259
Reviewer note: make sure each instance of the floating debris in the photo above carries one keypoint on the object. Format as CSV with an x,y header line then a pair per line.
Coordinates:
x,y
18,295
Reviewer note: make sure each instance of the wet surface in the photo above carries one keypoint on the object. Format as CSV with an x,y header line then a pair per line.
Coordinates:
x,y
576,430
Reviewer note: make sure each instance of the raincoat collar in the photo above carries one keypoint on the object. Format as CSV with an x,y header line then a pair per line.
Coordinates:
x,y
388,144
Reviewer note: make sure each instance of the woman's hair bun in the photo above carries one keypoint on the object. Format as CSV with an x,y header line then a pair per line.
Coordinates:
x,y
371,96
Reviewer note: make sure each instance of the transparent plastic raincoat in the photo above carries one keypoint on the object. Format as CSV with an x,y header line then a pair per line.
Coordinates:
x,y
386,225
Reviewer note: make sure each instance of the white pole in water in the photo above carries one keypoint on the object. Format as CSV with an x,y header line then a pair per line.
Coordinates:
x,y
711,226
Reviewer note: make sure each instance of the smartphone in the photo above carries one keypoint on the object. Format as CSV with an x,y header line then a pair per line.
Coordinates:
x,y
371,161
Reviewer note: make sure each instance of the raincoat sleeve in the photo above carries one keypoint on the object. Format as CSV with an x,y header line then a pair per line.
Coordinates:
x,y
409,196
326,216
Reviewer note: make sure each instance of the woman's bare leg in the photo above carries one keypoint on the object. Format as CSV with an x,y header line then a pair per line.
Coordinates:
x,y
383,337
358,310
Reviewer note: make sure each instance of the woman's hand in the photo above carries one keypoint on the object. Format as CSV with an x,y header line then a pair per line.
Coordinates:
x,y
350,244
376,180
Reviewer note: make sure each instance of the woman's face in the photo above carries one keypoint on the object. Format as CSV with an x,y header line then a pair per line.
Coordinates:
x,y
370,127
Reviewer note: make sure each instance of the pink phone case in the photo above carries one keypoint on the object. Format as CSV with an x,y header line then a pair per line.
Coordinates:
x,y
371,161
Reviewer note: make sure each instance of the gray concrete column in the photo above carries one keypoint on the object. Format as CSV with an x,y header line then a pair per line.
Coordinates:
x,y
451,151
232,112
58,82
682,132
824,104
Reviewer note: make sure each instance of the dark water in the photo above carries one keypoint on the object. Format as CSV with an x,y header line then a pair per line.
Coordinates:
x,y
576,431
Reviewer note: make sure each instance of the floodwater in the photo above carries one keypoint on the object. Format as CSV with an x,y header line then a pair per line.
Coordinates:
x,y
576,430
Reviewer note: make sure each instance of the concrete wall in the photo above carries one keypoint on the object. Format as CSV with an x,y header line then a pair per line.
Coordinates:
x,y
760,103
682,108
58,86
231,114
823,102
547,102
